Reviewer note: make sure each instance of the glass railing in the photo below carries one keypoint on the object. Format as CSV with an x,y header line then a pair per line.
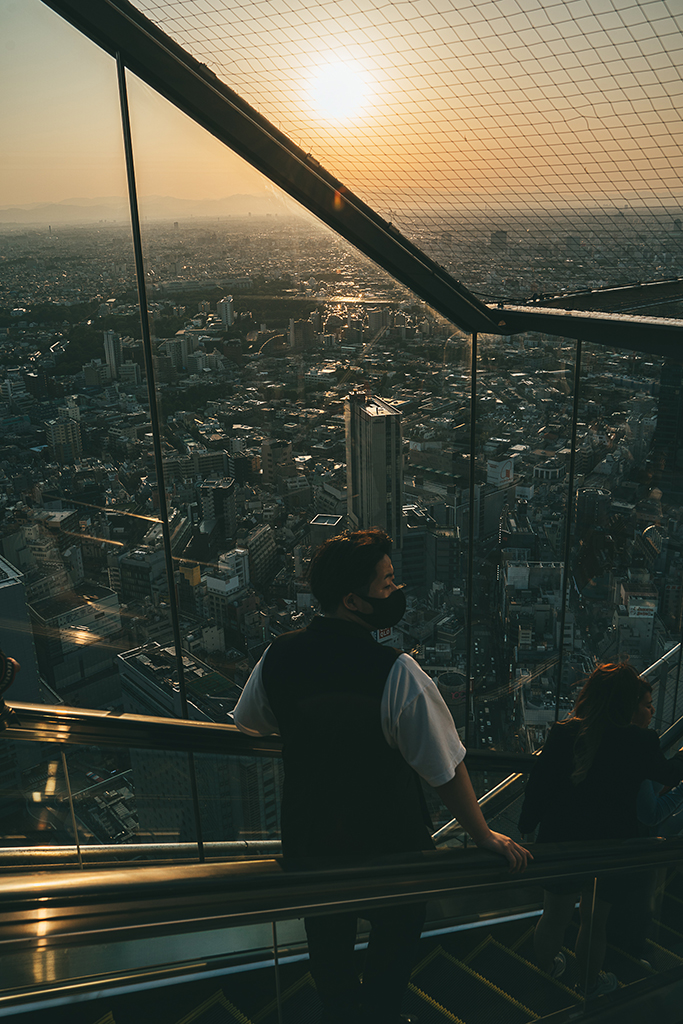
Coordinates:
x,y
110,805
238,926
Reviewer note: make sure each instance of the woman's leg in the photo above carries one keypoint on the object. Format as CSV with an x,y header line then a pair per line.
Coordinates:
x,y
592,938
549,934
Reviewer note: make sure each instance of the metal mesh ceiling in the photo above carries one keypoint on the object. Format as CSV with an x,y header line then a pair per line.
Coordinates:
x,y
527,145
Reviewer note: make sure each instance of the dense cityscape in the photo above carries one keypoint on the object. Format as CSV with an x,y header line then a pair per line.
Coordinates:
x,y
278,352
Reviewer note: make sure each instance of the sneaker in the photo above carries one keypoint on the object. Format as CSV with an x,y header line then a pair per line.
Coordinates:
x,y
559,966
606,983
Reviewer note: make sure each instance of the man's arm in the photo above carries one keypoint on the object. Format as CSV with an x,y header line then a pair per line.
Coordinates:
x,y
416,720
253,714
460,799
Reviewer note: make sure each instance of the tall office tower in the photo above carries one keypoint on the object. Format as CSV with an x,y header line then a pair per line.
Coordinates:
x,y
64,440
374,465
264,560
226,312
667,443
112,352
219,502
499,240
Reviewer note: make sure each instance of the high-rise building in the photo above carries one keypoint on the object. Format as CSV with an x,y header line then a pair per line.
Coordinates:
x,y
263,555
218,502
225,311
374,465
112,352
64,439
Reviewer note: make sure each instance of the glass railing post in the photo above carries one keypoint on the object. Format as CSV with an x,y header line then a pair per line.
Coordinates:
x,y
276,966
568,527
71,809
156,425
469,590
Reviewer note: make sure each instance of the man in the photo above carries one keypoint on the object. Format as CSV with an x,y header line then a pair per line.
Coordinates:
x,y
360,722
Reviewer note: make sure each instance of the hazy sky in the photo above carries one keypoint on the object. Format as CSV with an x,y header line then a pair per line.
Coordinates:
x,y
60,126
489,105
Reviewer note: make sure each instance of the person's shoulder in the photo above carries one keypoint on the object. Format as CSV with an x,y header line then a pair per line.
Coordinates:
x,y
564,730
638,736
285,639
406,665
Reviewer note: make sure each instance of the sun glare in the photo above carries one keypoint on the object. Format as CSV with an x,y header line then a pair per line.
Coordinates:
x,y
339,91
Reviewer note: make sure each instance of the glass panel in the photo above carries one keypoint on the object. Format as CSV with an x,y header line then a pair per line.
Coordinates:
x,y
500,795
35,806
127,801
524,427
625,594
76,480
264,322
239,798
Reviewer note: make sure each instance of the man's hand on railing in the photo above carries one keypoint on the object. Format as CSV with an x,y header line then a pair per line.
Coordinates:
x,y
459,798
516,856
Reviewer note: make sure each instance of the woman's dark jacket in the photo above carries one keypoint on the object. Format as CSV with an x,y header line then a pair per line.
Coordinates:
x,y
603,805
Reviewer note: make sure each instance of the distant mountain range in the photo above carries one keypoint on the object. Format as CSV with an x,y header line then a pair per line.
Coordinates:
x,y
115,208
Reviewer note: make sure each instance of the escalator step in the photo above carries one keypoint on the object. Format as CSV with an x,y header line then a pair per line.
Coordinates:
x,y
215,1010
661,958
470,997
300,1005
522,980
670,938
426,1009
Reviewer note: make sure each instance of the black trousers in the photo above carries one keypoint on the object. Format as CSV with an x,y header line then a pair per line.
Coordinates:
x,y
389,959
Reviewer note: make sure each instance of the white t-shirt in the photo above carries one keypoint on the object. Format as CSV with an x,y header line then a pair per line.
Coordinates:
x,y
415,719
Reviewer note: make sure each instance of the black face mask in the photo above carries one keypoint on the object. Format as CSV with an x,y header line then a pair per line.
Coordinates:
x,y
386,611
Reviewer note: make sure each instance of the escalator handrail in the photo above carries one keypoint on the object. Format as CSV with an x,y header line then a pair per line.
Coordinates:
x,y
78,906
58,723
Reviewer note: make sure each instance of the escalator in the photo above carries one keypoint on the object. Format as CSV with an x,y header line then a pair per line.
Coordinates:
x,y
176,930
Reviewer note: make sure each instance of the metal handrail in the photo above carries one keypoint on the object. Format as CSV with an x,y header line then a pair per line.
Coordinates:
x,y
661,661
33,858
48,908
58,723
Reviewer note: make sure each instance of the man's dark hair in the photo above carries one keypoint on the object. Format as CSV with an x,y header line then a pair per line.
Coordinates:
x,y
346,564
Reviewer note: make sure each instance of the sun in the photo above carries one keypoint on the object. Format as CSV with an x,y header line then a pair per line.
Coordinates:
x,y
339,91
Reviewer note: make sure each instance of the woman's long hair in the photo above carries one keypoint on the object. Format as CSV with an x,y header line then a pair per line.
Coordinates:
x,y
610,696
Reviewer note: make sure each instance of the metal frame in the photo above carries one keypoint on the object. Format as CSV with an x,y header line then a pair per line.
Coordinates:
x,y
59,723
119,28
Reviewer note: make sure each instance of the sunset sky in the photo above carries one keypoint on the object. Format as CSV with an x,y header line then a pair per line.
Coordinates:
x,y
61,130
445,104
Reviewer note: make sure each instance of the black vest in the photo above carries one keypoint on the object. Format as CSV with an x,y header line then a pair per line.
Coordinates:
x,y
346,792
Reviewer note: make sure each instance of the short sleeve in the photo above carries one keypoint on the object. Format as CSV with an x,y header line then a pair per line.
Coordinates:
x,y
253,714
415,720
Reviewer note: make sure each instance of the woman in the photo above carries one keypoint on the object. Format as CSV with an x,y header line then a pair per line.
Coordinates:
x,y
584,785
